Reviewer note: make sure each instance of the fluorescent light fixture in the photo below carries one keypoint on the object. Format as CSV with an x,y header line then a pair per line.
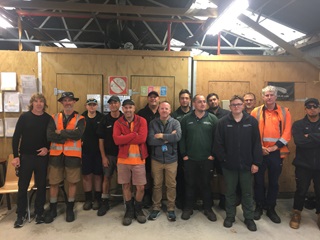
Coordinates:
x,y
228,16
9,8
202,4
4,23
63,43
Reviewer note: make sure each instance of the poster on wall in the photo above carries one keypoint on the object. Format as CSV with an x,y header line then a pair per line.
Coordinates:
x,y
285,90
8,81
28,84
11,102
10,125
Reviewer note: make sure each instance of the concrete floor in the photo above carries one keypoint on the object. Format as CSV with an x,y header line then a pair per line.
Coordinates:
x,y
89,226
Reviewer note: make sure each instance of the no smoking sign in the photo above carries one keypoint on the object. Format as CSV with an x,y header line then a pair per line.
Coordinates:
x,y
118,85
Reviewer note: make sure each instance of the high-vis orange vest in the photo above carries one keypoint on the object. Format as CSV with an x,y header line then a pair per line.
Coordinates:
x,y
71,148
281,133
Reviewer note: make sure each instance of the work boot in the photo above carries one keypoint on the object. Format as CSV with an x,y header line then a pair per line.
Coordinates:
x,y
51,214
295,220
70,213
88,202
250,225
258,212
186,214
141,218
271,213
129,215
104,207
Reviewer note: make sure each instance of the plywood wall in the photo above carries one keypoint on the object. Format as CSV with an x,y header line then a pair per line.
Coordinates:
x,y
216,73
23,63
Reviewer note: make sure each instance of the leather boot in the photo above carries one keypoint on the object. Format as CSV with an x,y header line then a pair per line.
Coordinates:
x,y
51,214
129,215
295,219
141,218
69,213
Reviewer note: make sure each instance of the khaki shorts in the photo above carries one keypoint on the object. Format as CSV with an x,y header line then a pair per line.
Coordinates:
x,y
57,174
134,173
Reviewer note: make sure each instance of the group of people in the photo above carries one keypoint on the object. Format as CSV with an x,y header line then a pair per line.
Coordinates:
x,y
180,149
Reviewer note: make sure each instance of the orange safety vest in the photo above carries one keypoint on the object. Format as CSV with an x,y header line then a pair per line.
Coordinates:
x,y
71,148
269,136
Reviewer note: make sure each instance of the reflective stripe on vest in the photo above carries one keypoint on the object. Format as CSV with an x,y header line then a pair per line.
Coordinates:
x,y
70,148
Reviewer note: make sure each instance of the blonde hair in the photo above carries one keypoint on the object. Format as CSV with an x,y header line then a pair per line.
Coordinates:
x,y
37,96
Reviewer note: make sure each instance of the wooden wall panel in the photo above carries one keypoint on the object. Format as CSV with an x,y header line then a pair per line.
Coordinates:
x,y
258,71
23,63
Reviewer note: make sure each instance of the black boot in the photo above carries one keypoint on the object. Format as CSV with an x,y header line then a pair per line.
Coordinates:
x,y
104,207
141,218
51,214
69,213
129,215
258,211
88,203
271,213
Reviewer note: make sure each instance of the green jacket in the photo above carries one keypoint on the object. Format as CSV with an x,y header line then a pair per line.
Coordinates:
x,y
197,136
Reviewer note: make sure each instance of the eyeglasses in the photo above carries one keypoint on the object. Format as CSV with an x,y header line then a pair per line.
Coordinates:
x,y
236,104
312,106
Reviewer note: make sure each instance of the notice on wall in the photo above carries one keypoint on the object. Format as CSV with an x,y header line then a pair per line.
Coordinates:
x,y
24,101
0,102
118,85
11,102
29,84
10,125
8,81
285,90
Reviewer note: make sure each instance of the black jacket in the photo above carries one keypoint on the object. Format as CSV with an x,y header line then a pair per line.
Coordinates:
x,y
307,148
237,144
148,114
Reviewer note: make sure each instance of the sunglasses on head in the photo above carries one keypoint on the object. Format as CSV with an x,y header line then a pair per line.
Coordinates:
x,y
312,106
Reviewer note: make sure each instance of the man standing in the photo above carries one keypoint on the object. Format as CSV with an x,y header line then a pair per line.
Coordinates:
x,y
91,157
184,100
109,150
306,135
164,134
249,102
240,162
65,130
196,146
130,134
149,112
30,149
275,132
214,107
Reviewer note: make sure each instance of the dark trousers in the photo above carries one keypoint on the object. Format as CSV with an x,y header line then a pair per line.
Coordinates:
x,y
180,180
233,179
194,170
303,180
28,165
268,197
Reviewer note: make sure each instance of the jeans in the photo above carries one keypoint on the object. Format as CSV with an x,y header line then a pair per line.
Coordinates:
x,y
194,170
303,180
268,197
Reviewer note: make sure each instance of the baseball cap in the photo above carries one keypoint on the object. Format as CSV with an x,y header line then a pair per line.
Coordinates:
x,y
153,93
69,95
114,98
91,100
311,100
128,101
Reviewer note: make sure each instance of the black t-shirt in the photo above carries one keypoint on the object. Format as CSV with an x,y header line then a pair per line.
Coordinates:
x,y
32,130
90,138
105,131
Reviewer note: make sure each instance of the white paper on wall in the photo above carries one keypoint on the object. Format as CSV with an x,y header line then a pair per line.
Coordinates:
x,y
11,102
10,125
24,101
8,81
29,84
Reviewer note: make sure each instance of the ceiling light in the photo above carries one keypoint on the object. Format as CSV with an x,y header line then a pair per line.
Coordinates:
x,y
228,16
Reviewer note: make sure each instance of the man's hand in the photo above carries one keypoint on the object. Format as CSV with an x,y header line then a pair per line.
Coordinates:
x,y
16,162
42,151
254,169
211,158
105,161
265,151
158,136
58,131
273,148
185,158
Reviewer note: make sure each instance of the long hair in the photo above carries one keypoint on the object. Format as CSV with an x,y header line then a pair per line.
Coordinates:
x,y
37,96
